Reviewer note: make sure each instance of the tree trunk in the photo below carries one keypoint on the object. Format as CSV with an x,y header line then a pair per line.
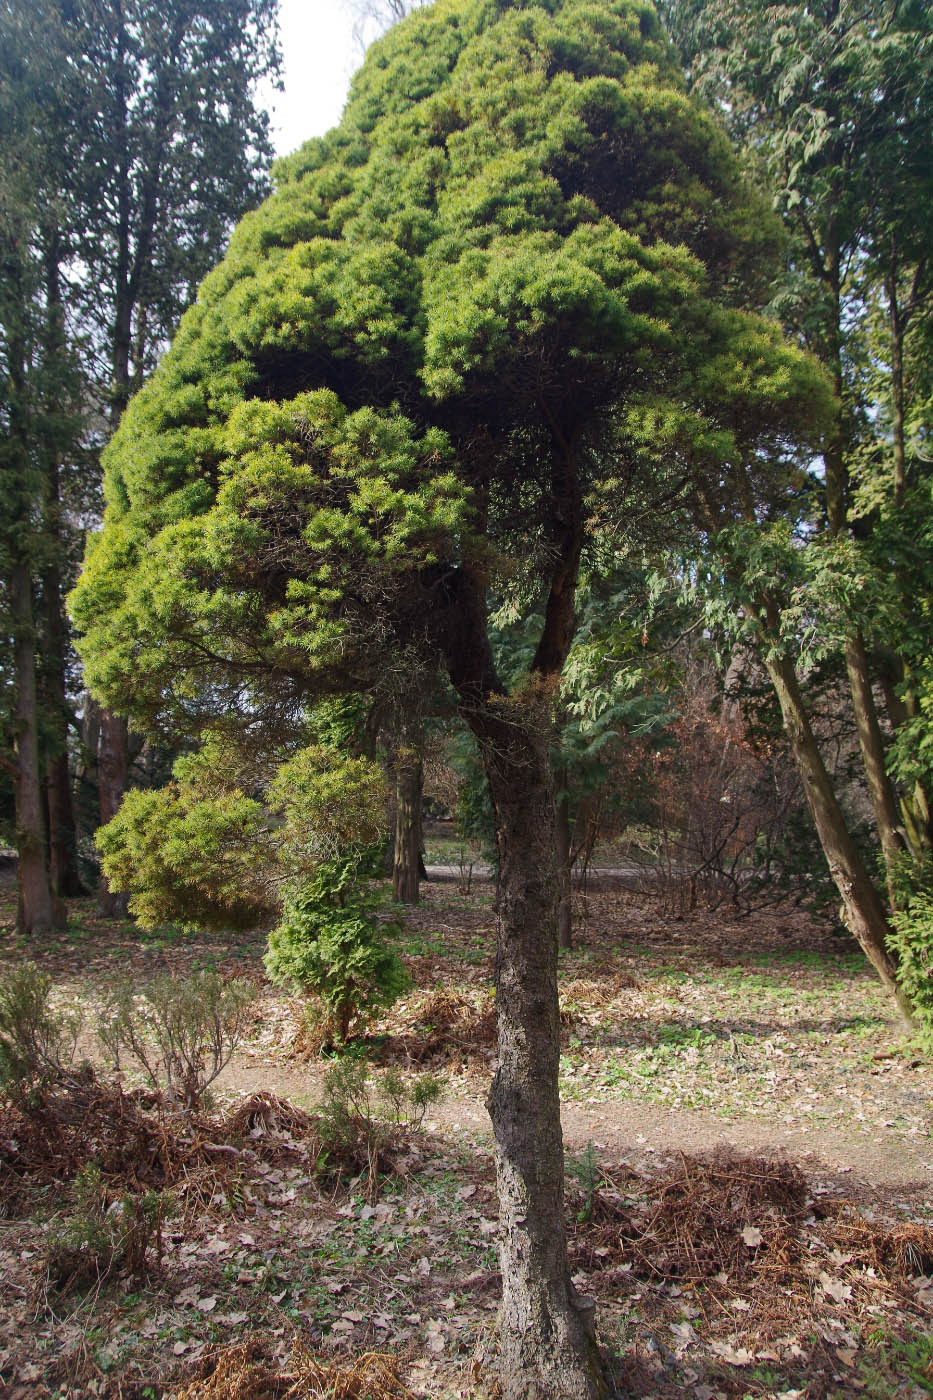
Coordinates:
x,y
112,772
549,1350
63,839
871,744
865,913
58,436
64,871
406,864
38,911
562,847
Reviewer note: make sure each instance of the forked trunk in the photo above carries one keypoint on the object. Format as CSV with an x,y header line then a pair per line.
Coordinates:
x,y
865,913
549,1350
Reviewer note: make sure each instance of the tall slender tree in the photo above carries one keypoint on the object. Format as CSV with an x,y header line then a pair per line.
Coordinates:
x,y
38,393
834,103
139,146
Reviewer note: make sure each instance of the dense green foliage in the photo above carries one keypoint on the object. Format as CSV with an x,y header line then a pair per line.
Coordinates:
x,y
912,941
203,852
834,105
332,944
366,395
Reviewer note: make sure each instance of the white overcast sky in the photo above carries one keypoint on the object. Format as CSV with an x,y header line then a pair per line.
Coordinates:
x,y
319,59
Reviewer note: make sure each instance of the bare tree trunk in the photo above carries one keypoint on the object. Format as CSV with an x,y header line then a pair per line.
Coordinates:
x,y
38,911
871,745
112,771
64,871
406,864
562,839
63,840
549,1349
865,913
57,437
548,1331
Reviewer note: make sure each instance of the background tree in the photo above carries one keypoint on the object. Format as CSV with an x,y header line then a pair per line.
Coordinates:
x,y
372,18
136,144
38,393
833,104
424,378
172,149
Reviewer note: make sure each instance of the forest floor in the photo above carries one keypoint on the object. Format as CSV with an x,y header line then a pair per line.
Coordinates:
x,y
750,1163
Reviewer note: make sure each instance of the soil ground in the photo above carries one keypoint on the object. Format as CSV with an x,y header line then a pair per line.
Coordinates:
x,y
724,1080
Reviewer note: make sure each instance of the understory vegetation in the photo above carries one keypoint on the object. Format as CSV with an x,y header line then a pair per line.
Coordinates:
x,y
336,1227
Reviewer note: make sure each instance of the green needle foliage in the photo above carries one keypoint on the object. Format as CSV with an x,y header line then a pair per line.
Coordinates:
x,y
522,226
332,944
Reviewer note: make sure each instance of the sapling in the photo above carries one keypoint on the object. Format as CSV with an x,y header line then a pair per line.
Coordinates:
x,y
331,943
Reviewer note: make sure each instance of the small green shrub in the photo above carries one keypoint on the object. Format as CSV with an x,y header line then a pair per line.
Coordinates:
x,y
332,944
37,1043
359,1116
911,942
103,1237
181,1031
585,1171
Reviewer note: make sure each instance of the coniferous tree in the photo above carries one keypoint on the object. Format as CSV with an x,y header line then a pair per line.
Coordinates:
x,y
422,380
834,104
38,398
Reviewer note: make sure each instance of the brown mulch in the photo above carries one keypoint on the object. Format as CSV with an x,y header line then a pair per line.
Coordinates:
x,y
245,1371
446,1025
135,1140
734,1216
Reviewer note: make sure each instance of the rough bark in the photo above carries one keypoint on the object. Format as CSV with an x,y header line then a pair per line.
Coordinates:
x,y
564,892
38,909
549,1349
865,915
406,863
64,872
548,1332
871,745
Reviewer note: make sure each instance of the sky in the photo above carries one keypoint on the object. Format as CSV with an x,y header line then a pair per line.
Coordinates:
x,y
319,58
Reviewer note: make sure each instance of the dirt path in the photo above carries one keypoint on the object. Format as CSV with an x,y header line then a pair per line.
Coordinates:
x,y
634,1131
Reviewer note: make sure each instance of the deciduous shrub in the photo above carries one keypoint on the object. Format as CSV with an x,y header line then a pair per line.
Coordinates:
x,y
358,1116
37,1042
332,944
182,1031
